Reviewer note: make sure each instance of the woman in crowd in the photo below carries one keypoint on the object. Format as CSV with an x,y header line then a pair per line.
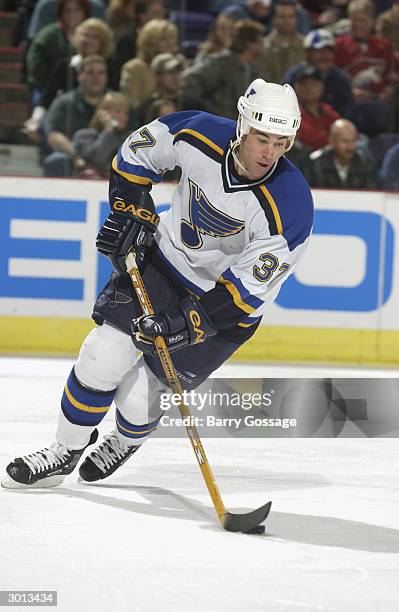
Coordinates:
x,y
137,79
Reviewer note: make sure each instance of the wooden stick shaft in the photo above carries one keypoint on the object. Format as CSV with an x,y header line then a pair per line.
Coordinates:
x,y
176,387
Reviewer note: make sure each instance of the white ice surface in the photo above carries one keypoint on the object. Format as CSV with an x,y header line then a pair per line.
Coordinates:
x,y
147,538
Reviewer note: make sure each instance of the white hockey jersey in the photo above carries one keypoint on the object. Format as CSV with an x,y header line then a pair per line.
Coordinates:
x,y
227,239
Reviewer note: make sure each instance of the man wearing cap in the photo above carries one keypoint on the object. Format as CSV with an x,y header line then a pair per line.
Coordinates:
x,y
317,116
319,48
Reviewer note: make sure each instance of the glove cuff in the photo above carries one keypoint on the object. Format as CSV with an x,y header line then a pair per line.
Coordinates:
x,y
198,323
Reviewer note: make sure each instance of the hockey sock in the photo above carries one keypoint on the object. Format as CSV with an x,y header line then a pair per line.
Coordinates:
x,y
83,406
136,433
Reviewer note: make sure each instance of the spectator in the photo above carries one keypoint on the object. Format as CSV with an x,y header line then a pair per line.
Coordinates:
x,y
219,37
368,60
45,12
390,169
159,107
147,10
317,116
121,14
261,11
167,68
325,12
125,44
53,43
387,25
283,47
98,144
319,48
341,164
218,79
71,112
255,10
92,37
137,79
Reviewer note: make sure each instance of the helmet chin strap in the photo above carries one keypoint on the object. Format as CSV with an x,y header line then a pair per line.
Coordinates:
x,y
234,149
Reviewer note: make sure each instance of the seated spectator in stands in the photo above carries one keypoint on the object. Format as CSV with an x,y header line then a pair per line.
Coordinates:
x,y
219,37
147,10
137,79
71,112
319,48
261,11
167,69
98,144
387,25
325,12
368,59
390,169
120,15
220,77
92,37
255,10
317,116
341,164
45,12
53,43
125,43
283,47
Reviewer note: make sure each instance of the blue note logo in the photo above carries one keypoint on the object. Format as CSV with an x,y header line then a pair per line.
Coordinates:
x,y
206,220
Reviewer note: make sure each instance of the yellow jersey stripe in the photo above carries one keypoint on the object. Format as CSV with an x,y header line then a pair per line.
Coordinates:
x,y
84,407
274,208
204,139
237,299
133,178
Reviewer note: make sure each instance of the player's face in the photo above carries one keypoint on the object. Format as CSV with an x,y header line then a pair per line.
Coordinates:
x,y
259,151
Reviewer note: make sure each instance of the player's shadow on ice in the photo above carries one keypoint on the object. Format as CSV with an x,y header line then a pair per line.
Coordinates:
x,y
288,527
329,531
158,500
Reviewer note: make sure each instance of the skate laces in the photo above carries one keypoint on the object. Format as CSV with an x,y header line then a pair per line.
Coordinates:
x,y
46,458
109,452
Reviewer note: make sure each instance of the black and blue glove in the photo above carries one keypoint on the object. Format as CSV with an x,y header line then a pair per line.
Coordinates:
x,y
183,325
130,225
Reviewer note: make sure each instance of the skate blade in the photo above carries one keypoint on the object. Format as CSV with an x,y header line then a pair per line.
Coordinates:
x,y
46,483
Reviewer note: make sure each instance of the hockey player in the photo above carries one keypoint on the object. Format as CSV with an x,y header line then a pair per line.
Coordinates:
x,y
240,220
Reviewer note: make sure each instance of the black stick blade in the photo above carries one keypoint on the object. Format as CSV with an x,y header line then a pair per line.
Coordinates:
x,y
246,522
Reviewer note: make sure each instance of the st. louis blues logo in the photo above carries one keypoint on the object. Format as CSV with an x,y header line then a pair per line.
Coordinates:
x,y
207,220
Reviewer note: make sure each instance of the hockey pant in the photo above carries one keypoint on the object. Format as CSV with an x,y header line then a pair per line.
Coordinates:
x,y
109,369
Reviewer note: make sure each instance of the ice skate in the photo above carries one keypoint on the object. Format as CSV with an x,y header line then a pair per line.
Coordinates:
x,y
45,468
106,458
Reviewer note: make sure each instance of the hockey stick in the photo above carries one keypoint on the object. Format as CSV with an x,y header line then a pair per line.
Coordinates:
x,y
247,523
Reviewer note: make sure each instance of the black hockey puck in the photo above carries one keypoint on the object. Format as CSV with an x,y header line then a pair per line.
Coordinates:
x,y
258,530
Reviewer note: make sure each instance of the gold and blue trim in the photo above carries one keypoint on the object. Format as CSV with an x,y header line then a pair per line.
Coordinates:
x,y
242,298
133,172
83,406
201,142
270,208
129,430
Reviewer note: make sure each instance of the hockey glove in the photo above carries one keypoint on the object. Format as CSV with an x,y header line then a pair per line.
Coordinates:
x,y
187,323
128,226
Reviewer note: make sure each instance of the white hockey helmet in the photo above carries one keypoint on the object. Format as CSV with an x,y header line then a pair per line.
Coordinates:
x,y
269,108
